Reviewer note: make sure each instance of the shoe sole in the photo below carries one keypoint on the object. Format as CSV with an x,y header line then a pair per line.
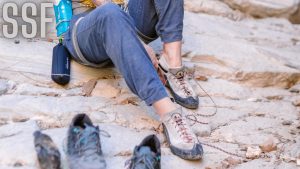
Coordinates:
x,y
179,99
191,155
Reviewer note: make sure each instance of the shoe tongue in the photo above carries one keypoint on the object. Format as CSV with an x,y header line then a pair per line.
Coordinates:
x,y
77,130
178,72
88,139
87,128
145,150
167,116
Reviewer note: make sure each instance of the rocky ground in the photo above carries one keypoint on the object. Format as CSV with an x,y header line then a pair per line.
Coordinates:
x,y
247,60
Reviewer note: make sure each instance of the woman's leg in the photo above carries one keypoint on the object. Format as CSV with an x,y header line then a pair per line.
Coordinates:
x,y
93,48
164,18
155,18
109,33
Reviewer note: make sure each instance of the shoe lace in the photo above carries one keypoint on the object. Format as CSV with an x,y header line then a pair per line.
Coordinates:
x,y
182,128
139,160
181,81
88,143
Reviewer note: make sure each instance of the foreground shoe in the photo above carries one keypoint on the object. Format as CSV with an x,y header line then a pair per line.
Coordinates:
x,y
146,155
180,137
83,144
179,85
47,152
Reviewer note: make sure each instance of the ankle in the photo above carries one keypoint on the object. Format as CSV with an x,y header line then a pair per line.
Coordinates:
x,y
164,106
173,62
172,53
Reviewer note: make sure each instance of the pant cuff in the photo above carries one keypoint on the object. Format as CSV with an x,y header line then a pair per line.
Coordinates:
x,y
156,96
171,37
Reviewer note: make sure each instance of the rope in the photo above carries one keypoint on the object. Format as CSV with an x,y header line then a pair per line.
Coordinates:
x,y
193,117
195,120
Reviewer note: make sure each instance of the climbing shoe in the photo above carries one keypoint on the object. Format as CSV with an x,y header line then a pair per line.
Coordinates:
x,y
146,155
179,85
83,144
47,153
182,141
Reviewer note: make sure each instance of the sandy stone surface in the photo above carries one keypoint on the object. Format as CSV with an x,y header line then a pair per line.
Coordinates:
x,y
247,70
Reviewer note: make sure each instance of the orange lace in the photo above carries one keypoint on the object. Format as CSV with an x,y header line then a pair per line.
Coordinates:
x,y
179,78
181,127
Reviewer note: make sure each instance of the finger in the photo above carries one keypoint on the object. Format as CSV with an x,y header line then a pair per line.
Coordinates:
x,y
155,63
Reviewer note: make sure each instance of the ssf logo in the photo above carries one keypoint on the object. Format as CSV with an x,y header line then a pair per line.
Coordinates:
x,y
10,27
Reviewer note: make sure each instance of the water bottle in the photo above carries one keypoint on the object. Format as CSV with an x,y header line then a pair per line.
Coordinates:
x,y
60,65
63,15
61,57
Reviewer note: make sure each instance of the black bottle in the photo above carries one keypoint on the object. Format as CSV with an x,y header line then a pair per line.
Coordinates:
x,y
61,65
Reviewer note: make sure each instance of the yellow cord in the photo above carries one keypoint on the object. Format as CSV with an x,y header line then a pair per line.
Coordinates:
x,y
119,2
90,4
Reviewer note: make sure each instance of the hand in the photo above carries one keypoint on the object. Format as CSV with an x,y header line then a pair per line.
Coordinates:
x,y
100,2
152,55
155,62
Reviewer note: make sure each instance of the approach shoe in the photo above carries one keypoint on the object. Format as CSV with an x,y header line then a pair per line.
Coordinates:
x,y
179,85
83,144
146,155
47,153
182,141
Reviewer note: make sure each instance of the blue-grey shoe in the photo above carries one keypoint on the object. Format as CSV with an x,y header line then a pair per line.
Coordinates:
x,y
83,144
179,85
47,153
183,142
146,155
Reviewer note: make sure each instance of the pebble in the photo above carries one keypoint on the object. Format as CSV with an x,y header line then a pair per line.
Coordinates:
x,y
287,122
232,161
88,87
17,41
3,122
296,103
11,84
225,164
243,147
254,100
268,160
50,40
3,86
259,114
295,89
268,146
201,78
18,164
228,137
293,132
130,100
201,130
253,152
288,159
20,119
274,97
